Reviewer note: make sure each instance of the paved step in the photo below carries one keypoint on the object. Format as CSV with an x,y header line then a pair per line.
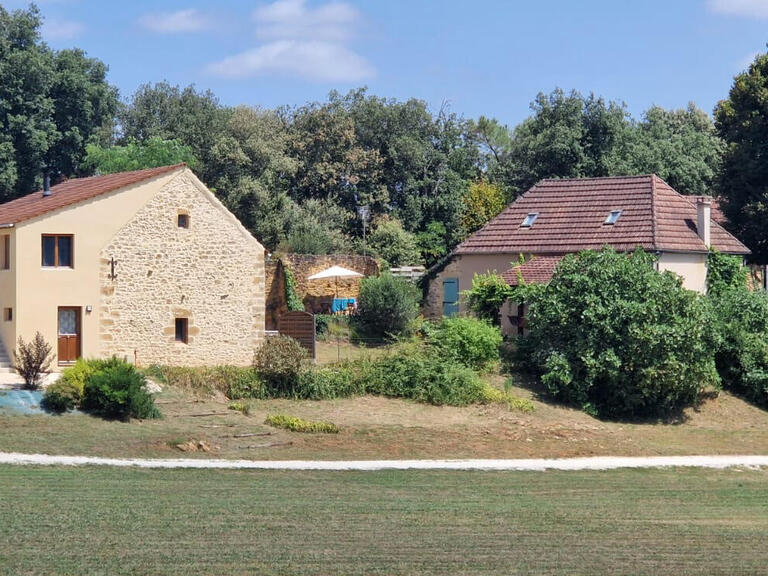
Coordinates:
x,y
7,370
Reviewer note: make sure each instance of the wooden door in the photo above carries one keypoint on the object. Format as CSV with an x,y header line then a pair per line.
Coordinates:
x,y
69,334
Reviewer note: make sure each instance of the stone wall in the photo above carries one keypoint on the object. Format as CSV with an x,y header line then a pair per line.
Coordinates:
x,y
211,273
316,294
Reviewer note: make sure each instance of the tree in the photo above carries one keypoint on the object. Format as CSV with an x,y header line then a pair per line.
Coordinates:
x,y
51,105
161,110
152,153
742,121
680,146
393,244
482,202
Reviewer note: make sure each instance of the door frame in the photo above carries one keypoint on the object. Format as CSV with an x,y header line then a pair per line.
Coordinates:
x,y
79,333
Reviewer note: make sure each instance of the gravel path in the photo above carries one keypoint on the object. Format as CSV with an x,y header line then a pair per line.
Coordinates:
x,y
592,463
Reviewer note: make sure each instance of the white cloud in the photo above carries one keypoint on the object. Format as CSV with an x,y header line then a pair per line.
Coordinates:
x,y
748,8
311,43
54,29
174,22
313,60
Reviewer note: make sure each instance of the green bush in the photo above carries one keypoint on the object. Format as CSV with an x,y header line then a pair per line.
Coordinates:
x,y
292,299
489,292
493,395
299,425
742,355
472,342
77,375
413,371
386,305
242,407
61,396
334,381
725,272
613,335
278,363
118,390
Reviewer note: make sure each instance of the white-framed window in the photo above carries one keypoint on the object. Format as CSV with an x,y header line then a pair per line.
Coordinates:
x,y
613,217
529,219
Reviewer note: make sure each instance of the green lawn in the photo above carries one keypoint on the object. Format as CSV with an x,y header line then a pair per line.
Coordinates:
x,y
128,521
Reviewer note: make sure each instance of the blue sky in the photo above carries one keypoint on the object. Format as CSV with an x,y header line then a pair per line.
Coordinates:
x,y
486,57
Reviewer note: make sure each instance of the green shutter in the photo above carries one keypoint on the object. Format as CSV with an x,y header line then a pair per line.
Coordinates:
x,y
450,296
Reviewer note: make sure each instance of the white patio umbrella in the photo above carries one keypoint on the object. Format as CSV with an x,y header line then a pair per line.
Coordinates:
x,y
335,272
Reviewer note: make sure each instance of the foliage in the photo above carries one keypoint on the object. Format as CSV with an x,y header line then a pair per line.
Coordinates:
x,y
491,395
117,390
300,425
386,305
742,356
413,371
31,360
469,341
292,299
53,103
278,363
489,292
742,121
232,381
77,375
316,227
334,381
725,272
394,245
482,202
61,396
242,407
613,335
151,153
432,242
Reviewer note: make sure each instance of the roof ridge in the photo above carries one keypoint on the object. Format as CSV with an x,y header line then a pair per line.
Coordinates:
x,y
587,178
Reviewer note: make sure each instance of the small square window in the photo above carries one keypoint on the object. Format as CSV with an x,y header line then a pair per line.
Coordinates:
x,y
613,217
182,330
8,314
183,221
529,219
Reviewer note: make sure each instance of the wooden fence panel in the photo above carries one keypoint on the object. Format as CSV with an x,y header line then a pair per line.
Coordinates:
x,y
301,327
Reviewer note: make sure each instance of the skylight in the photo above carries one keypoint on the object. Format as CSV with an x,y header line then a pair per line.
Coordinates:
x,y
529,219
613,217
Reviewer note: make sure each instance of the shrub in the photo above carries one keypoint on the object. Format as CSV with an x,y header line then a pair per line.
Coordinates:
x,y
333,381
411,371
61,396
78,374
472,342
725,272
742,355
292,299
612,334
118,390
491,395
242,407
278,363
298,425
32,360
386,305
489,292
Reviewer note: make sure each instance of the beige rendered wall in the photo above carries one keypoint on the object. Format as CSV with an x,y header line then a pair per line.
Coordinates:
x,y
211,273
42,290
8,296
464,268
691,267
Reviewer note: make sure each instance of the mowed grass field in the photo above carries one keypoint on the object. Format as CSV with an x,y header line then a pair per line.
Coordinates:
x,y
96,520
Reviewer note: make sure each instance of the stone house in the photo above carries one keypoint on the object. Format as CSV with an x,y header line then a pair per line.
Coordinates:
x,y
147,265
563,216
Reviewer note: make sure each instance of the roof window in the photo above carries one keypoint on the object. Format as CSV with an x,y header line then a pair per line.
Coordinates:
x,y
613,217
529,219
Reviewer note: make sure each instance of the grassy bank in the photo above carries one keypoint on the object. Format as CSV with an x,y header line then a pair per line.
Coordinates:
x,y
108,521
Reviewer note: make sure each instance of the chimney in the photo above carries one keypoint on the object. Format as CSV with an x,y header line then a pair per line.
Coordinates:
x,y
704,220
46,183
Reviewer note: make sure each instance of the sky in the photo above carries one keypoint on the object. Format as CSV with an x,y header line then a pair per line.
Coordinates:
x,y
480,57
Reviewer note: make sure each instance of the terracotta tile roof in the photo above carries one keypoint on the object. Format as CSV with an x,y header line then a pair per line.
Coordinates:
x,y
73,191
537,270
717,210
572,214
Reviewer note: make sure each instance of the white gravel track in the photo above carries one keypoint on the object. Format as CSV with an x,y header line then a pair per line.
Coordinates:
x,y
538,464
